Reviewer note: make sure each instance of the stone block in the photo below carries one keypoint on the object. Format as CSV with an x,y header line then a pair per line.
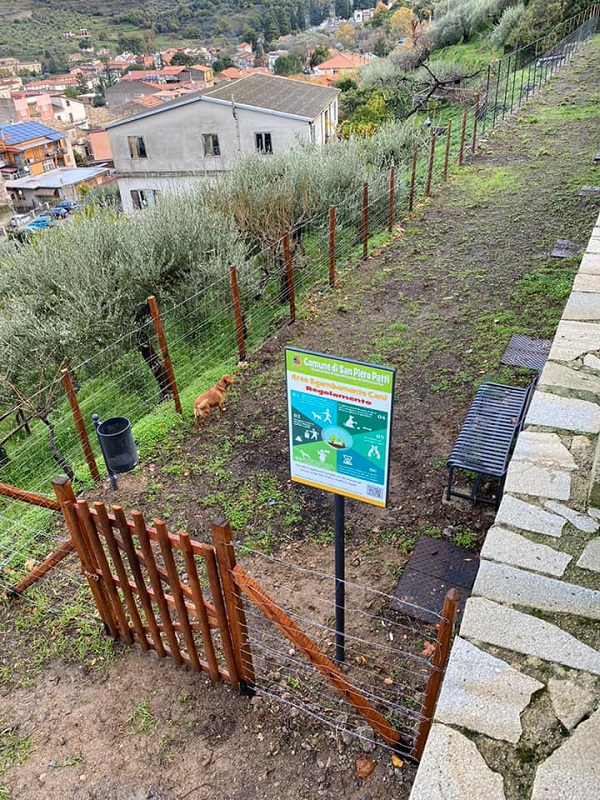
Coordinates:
x,y
563,413
452,768
580,521
590,558
573,700
585,385
518,587
519,514
583,305
544,448
575,339
572,772
484,693
525,477
498,625
511,548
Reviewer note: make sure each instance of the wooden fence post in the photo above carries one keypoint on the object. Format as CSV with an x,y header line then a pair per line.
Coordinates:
x,y
160,335
221,533
430,165
289,269
392,198
474,141
237,313
332,245
447,153
438,666
413,178
463,131
80,424
365,220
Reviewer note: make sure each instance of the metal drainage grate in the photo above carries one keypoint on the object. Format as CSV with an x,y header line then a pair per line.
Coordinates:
x,y
434,567
523,351
564,248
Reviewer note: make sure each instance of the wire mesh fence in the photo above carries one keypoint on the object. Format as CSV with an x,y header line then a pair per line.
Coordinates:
x,y
126,377
387,655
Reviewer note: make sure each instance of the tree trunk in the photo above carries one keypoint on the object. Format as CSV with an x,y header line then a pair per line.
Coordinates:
x,y
149,354
58,457
156,367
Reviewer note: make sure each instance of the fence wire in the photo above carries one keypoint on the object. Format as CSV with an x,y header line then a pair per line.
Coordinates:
x,y
384,651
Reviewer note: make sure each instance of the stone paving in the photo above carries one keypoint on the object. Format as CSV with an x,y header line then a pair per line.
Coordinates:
x,y
528,636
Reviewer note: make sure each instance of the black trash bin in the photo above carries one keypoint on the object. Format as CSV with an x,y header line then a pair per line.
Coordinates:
x,y
116,442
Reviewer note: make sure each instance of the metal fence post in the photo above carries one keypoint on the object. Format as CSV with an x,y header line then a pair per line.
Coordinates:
x,y
365,220
413,177
392,198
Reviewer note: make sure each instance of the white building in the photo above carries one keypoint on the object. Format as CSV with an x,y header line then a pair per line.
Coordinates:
x,y
173,146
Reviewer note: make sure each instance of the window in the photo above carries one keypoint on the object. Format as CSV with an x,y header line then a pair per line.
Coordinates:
x,y
48,165
142,198
211,144
263,143
137,147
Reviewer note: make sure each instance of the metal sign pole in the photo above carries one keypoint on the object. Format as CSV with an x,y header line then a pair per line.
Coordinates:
x,y
340,577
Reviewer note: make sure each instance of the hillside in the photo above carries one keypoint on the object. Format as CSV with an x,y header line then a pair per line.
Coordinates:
x,y
34,30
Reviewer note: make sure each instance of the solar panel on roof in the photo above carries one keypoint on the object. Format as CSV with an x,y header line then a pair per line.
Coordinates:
x,y
24,131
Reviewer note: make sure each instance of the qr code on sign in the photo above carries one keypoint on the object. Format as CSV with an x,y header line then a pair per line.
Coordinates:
x,y
375,491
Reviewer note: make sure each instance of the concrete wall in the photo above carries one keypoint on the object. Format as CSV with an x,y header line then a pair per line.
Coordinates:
x,y
519,710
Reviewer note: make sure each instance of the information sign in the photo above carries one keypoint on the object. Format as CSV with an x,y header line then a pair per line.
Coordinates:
x,y
340,422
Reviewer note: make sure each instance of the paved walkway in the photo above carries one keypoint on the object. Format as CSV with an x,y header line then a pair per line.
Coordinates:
x,y
519,711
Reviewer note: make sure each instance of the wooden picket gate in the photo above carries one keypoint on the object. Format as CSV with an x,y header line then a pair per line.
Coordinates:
x,y
183,599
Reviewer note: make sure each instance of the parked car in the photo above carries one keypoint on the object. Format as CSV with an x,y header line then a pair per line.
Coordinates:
x,y
70,205
46,220
21,219
60,212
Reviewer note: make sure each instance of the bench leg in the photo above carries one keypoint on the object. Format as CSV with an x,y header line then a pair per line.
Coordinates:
x,y
450,476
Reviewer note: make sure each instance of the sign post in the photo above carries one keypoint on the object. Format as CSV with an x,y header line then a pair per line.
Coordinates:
x,y
340,421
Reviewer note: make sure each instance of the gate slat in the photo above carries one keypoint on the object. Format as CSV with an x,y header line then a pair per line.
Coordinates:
x,y
115,554
320,661
138,577
89,567
145,544
85,516
217,595
198,597
167,554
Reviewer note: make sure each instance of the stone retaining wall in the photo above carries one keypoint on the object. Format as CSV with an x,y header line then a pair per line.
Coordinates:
x,y
519,712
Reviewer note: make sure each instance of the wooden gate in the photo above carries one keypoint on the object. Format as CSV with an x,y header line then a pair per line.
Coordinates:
x,y
183,599
164,591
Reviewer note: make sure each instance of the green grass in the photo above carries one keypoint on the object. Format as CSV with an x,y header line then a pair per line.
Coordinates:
x,y
53,623
141,719
15,749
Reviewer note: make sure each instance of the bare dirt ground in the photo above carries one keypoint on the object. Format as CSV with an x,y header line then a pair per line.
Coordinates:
x,y
439,303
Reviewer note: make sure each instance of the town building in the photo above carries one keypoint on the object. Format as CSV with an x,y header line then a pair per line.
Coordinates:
x,y
172,147
65,183
30,148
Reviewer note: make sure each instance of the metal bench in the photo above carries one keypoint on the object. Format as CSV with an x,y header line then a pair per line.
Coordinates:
x,y
487,437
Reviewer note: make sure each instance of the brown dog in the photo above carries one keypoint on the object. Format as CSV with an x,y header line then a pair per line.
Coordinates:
x,y
213,398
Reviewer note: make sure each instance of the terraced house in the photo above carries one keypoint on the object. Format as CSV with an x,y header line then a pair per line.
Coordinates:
x,y
171,147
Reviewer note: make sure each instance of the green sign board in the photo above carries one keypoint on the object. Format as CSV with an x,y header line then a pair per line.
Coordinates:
x,y
340,423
